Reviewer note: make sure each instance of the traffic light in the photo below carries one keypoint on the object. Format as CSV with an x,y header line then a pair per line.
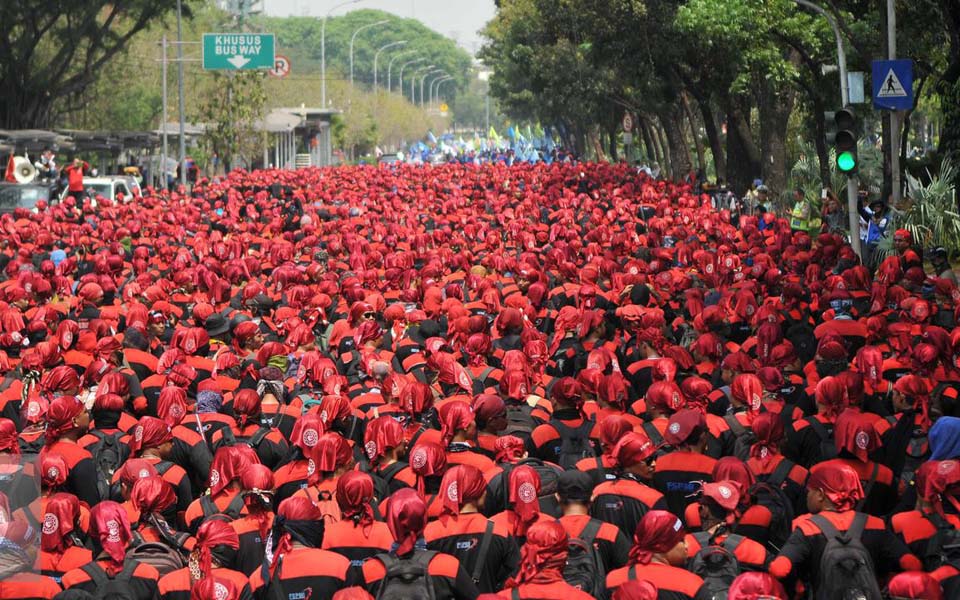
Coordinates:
x,y
845,140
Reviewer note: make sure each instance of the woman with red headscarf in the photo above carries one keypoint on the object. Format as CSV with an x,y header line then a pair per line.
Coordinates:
x,y
407,517
61,542
856,439
833,491
296,560
659,555
110,533
67,421
268,443
357,535
484,550
152,440
253,528
542,561
523,503
214,554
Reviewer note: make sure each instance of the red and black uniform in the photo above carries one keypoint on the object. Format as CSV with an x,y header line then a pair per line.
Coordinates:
x,y
623,501
82,472
269,444
611,544
809,441
289,479
878,485
673,583
799,557
177,584
253,543
916,528
679,475
450,579
142,579
751,555
191,452
28,586
545,441
463,537
781,472
172,474
357,543
461,453
392,477
309,572
228,502
54,565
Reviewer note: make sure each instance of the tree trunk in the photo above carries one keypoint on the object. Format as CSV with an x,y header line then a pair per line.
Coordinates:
x,y
713,137
775,111
612,132
697,142
648,147
680,163
665,157
743,156
820,142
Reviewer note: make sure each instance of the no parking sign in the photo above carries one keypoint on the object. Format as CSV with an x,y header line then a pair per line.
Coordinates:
x,y
281,66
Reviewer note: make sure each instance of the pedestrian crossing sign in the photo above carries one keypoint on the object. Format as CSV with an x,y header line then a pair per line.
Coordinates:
x,y
893,84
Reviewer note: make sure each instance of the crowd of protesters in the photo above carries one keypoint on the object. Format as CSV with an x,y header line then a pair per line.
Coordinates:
x,y
538,381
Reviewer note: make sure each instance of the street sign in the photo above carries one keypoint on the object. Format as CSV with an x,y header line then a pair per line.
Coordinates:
x,y
627,122
281,66
238,51
893,84
444,108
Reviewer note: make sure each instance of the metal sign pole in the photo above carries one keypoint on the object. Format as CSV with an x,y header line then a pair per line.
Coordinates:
x,y
163,125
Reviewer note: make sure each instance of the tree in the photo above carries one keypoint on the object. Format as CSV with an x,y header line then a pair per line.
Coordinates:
x,y
231,114
52,50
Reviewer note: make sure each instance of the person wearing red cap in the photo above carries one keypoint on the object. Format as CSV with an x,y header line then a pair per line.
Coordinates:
x,y
718,510
67,421
60,546
357,535
856,439
679,473
110,533
298,562
407,518
623,500
833,492
484,548
658,555
542,561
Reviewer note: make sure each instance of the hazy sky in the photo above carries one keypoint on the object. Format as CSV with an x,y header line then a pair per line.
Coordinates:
x,y
457,19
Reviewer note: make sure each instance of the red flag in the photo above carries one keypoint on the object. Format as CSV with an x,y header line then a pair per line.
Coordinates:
x,y
10,170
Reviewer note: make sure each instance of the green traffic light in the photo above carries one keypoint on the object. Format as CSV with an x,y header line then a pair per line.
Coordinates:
x,y
846,162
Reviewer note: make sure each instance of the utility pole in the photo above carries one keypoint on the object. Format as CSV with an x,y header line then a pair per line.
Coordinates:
x,y
163,124
894,115
183,139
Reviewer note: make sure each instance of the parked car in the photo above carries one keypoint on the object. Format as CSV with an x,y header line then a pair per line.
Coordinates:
x,y
25,195
110,187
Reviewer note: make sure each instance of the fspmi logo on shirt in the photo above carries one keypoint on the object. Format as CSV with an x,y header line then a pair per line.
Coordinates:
x,y
304,595
467,544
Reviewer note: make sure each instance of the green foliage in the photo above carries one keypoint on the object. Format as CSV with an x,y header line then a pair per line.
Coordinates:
x,y
932,216
231,115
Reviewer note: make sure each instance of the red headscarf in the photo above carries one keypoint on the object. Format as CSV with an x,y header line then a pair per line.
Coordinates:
x,y
246,406
53,470
382,434
525,494
214,588
756,586
110,527
657,532
306,432
257,483
213,533
152,495
768,429
150,432
354,493
9,440
172,405
831,395
331,453
461,484
457,416
916,585
63,410
415,398
918,390
748,391
59,521
509,448
855,433
228,464
839,482
543,556
427,459
632,449
135,469
406,518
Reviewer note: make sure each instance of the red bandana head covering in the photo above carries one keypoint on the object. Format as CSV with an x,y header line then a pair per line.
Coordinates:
x,y
666,396
869,363
354,493
747,390
734,470
917,389
382,434
831,395
915,585
636,589
9,440
172,405
657,532
427,459
632,449
152,495
568,392
59,521
457,416
933,478
306,432
60,379
213,533
331,453
110,527
755,585
509,449
839,482
149,432
854,433
515,384
525,494
246,406
212,587
406,517
543,556
53,470
612,429
461,484
416,398
768,429
60,416
228,465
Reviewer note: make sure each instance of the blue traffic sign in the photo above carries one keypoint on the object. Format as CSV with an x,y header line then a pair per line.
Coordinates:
x,y
893,84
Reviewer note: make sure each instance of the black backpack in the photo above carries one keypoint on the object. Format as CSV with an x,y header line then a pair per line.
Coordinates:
x,y
110,587
828,450
108,454
744,437
716,564
549,478
770,496
520,421
254,441
943,545
846,567
407,578
585,569
231,513
575,443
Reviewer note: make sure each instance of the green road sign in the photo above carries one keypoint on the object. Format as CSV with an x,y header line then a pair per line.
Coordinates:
x,y
238,51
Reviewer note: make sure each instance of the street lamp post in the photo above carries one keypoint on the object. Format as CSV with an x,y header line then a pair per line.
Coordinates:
x,y
435,85
376,56
353,38
413,85
853,181
390,68
323,51
422,81
404,66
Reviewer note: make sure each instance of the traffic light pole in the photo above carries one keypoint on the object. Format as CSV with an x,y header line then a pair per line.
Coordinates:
x,y
853,182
